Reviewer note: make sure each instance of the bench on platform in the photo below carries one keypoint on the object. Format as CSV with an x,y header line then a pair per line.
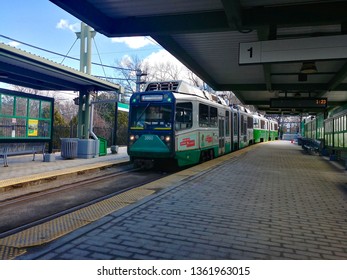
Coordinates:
x,y
14,149
311,145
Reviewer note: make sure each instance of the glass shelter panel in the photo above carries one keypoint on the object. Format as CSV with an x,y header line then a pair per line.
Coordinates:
x,y
7,105
34,108
25,117
21,106
45,110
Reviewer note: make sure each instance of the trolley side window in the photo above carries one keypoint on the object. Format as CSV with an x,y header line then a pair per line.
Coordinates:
x,y
243,125
235,124
208,116
249,122
213,116
262,124
256,123
276,126
184,112
203,115
227,120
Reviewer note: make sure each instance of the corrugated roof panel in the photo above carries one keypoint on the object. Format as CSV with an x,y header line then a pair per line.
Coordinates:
x,y
23,67
308,30
260,3
139,8
218,52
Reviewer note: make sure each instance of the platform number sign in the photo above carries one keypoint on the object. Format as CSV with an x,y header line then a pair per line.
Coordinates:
x,y
250,53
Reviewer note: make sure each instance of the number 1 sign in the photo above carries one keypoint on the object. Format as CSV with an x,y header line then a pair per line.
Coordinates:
x,y
250,53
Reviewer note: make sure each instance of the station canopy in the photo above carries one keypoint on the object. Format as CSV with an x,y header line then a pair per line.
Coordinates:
x,y
259,49
21,68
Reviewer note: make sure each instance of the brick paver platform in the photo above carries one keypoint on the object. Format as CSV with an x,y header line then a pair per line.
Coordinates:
x,y
272,202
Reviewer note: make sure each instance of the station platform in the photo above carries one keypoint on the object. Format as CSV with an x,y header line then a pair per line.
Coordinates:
x,y
268,201
23,171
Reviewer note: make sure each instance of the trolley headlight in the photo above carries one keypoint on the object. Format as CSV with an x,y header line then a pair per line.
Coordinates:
x,y
165,138
133,138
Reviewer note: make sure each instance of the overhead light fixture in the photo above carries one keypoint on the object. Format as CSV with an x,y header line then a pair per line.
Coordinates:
x,y
308,67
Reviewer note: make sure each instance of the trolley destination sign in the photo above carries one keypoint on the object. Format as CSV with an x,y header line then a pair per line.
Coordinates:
x,y
301,103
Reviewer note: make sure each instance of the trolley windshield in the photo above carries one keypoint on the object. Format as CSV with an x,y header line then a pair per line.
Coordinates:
x,y
151,116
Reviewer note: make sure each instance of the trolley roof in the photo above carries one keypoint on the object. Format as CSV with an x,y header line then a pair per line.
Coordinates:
x,y
184,88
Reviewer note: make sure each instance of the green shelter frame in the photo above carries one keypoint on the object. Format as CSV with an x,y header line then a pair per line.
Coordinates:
x,y
26,118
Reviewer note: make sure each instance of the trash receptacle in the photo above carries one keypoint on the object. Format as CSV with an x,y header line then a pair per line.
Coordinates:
x,y
102,146
69,148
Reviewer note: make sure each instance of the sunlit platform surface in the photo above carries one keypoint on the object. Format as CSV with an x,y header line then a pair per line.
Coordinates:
x,y
268,201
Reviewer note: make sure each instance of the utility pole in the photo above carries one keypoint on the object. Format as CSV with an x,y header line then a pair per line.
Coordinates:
x,y
85,35
139,74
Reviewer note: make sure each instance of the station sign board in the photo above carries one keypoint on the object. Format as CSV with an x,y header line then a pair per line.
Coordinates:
x,y
291,50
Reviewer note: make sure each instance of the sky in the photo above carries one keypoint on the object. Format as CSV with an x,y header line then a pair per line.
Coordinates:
x,y
43,24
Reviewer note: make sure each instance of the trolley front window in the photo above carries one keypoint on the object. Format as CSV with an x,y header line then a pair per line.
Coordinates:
x,y
151,117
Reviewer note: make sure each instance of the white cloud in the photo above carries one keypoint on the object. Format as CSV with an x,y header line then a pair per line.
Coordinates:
x,y
133,42
126,61
64,24
170,67
13,44
161,57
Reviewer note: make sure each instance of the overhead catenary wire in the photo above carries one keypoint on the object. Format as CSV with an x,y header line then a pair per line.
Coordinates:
x,y
114,78
69,51
65,56
97,50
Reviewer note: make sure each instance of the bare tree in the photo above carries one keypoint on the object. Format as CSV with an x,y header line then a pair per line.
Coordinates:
x,y
229,97
126,72
194,79
168,70
160,71
164,71
67,108
31,90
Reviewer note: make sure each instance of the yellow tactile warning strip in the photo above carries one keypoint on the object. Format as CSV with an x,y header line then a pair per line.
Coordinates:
x,y
55,174
16,244
9,253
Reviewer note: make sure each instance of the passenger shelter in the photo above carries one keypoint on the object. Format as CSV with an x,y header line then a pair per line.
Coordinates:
x,y
21,68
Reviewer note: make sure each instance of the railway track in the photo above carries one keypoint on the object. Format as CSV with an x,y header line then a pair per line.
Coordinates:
x,y
29,210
